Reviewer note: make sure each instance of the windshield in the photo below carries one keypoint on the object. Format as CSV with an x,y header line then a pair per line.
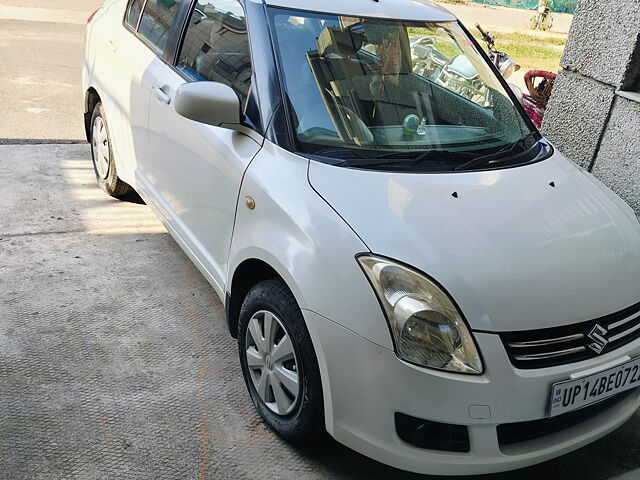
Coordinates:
x,y
380,93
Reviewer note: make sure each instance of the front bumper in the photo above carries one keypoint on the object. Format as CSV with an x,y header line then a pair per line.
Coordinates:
x,y
365,385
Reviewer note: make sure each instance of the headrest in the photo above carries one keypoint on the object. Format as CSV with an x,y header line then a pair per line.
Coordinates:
x,y
342,42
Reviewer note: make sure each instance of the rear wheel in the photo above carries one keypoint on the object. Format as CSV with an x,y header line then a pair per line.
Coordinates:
x,y
279,363
102,155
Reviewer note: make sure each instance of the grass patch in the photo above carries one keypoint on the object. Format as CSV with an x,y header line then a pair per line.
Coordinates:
x,y
517,37
532,57
532,52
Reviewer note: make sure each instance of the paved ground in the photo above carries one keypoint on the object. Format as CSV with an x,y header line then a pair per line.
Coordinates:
x,y
115,362
41,46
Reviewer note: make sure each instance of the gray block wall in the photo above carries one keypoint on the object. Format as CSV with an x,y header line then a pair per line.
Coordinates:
x,y
618,162
594,113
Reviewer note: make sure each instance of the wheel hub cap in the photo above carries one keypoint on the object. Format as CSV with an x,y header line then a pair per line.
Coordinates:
x,y
100,144
269,362
272,362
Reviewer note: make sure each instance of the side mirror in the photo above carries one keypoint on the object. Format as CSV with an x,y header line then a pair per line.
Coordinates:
x,y
208,102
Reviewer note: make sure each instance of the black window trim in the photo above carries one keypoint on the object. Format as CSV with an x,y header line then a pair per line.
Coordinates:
x,y
169,51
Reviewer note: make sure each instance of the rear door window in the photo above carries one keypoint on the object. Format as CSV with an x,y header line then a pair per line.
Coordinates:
x,y
156,22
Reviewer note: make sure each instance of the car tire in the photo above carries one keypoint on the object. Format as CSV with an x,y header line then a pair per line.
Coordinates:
x,y
104,164
270,302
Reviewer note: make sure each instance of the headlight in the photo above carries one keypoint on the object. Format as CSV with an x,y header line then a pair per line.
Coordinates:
x,y
426,326
508,67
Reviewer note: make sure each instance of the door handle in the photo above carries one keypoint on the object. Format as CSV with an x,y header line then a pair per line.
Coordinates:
x,y
112,45
162,96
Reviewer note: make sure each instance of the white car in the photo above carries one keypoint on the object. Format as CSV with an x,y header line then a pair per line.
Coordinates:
x,y
407,264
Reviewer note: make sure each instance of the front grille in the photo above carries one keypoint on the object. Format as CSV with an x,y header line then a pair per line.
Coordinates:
x,y
510,433
562,345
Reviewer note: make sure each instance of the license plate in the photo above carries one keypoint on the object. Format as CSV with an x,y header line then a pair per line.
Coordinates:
x,y
573,394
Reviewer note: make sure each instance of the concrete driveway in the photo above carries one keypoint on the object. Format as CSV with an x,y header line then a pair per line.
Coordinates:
x,y
115,361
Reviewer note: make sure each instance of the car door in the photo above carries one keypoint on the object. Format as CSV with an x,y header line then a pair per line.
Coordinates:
x,y
125,65
195,170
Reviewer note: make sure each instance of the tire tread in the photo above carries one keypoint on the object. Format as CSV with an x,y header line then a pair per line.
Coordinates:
x,y
306,423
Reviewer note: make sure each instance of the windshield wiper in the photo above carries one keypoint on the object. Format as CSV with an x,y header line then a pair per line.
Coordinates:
x,y
399,159
426,155
355,158
499,155
340,155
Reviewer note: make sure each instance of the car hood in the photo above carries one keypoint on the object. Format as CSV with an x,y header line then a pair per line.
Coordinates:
x,y
522,248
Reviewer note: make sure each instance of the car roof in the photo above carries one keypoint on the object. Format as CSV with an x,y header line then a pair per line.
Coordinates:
x,y
420,10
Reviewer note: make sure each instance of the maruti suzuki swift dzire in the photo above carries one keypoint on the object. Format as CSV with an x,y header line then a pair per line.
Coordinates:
x,y
406,263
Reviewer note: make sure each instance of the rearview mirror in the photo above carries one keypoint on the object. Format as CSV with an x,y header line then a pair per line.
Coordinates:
x,y
208,102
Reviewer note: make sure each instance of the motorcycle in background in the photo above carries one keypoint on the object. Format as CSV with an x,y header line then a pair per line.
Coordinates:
x,y
539,83
542,20
505,65
458,74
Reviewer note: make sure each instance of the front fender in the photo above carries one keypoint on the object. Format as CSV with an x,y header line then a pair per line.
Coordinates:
x,y
311,247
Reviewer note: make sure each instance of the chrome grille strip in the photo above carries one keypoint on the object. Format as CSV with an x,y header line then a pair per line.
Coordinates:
x,y
624,334
544,356
571,343
549,341
622,322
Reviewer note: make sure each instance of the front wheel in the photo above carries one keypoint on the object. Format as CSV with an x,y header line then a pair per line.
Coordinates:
x,y
279,363
102,155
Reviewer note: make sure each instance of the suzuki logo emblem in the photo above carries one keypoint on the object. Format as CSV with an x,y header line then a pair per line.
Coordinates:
x,y
597,334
